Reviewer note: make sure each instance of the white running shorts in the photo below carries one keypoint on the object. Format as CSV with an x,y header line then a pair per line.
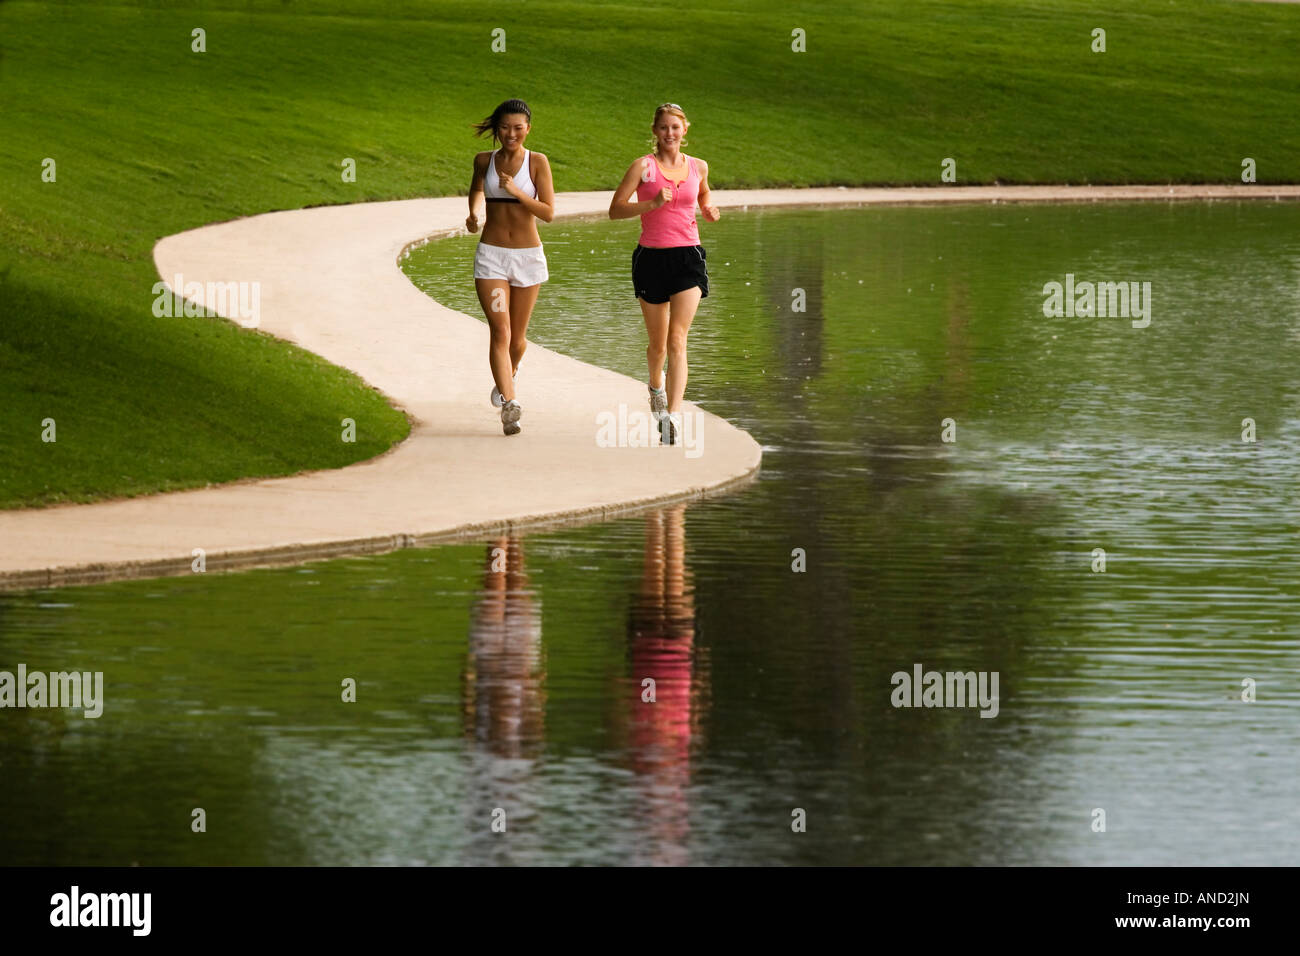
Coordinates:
x,y
519,267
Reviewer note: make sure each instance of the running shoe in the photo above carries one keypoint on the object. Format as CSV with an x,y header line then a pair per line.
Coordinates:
x,y
658,402
668,429
510,413
497,400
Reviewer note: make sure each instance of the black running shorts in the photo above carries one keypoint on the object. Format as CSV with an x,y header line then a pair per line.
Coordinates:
x,y
658,274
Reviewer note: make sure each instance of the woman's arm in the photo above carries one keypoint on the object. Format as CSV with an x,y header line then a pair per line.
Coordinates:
x,y
476,190
543,207
620,207
710,211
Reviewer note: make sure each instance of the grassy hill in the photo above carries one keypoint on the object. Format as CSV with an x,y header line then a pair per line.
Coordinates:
x,y
151,138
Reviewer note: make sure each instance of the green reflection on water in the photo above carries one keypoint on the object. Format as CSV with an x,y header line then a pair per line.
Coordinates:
x,y
521,687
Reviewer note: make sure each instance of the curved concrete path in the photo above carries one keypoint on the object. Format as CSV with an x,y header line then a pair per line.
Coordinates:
x,y
330,282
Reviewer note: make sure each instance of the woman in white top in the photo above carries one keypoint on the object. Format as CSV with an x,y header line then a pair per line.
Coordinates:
x,y
509,266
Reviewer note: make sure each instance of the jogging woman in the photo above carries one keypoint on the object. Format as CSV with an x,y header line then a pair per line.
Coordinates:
x,y
509,266
669,275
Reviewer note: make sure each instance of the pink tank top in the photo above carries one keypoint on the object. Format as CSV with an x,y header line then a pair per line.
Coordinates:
x,y
673,223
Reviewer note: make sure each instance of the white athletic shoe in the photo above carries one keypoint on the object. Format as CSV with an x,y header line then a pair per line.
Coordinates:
x,y
496,399
670,428
510,413
658,402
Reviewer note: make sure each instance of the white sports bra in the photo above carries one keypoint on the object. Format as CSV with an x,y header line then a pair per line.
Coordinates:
x,y
491,182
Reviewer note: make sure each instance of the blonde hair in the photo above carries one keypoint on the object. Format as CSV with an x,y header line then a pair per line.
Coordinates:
x,y
676,111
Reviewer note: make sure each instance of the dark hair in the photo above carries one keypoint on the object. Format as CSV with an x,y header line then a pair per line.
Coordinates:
x,y
489,125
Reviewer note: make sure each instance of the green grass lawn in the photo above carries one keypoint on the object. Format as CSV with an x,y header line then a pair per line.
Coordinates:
x,y
151,138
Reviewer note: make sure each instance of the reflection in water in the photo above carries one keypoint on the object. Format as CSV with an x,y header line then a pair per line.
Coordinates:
x,y
504,702
957,337
799,345
661,648
504,696
1120,690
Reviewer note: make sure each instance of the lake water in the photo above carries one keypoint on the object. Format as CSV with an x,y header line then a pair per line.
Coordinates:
x,y
504,679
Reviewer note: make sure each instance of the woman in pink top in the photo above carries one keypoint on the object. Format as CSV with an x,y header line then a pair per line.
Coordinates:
x,y
669,275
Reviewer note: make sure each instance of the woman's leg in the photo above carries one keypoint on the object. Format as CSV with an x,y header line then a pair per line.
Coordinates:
x,y
656,327
494,295
522,300
681,314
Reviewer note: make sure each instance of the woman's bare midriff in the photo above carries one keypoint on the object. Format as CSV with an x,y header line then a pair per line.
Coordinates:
x,y
510,225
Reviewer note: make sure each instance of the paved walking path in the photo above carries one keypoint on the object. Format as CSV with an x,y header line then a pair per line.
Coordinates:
x,y
330,283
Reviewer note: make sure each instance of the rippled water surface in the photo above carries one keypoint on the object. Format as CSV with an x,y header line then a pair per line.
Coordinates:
x,y
508,674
